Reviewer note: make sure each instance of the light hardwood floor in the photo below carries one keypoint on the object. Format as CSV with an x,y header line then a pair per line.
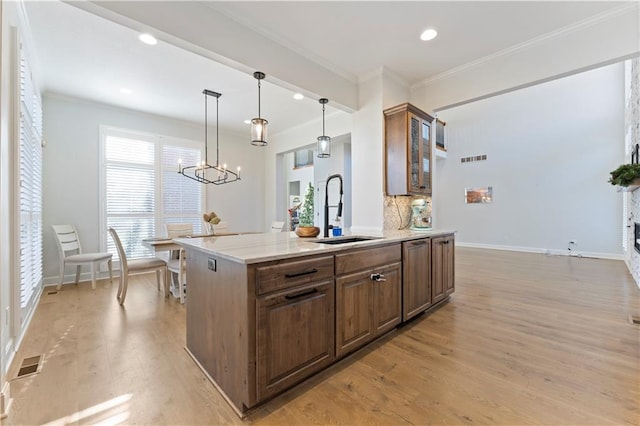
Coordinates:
x,y
525,339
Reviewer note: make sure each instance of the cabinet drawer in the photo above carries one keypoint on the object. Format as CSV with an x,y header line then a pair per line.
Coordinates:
x,y
287,274
367,258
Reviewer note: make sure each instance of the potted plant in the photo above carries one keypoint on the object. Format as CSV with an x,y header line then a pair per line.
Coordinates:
x,y
626,175
305,227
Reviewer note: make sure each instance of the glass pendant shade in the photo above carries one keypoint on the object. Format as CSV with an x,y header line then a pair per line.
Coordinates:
x,y
259,125
324,142
259,131
324,146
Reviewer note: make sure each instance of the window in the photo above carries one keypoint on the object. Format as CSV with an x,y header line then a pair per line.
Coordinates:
x,y
302,158
142,189
30,204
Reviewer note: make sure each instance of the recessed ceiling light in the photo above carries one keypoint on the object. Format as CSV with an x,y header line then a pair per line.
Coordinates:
x,y
429,34
126,91
298,96
148,39
247,121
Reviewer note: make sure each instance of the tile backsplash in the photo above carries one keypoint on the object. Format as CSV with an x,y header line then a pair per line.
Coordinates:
x,y
632,131
397,210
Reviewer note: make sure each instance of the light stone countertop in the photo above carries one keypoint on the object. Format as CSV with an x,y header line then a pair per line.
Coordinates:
x,y
255,248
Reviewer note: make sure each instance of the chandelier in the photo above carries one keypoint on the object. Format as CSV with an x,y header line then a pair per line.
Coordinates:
x,y
206,173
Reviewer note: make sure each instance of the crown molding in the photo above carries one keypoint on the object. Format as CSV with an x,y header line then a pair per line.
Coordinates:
x,y
593,20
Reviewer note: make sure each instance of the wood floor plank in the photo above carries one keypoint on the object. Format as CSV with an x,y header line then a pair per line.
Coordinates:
x,y
525,339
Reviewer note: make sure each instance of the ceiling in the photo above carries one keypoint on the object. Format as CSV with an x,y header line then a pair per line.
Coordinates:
x,y
83,55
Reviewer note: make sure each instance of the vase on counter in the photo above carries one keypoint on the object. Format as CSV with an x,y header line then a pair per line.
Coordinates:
x,y
307,231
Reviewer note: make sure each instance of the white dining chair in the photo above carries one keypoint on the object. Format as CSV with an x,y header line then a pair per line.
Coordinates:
x,y
136,266
177,262
70,252
277,226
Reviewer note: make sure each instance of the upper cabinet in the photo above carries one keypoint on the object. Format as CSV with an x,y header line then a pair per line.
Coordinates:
x,y
407,150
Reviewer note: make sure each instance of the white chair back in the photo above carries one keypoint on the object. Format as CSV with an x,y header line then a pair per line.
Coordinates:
x,y
175,230
67,239
121,254
277,226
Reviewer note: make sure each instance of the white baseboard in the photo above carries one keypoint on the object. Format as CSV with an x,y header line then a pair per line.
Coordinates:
x,y
71,278
552,252
5,400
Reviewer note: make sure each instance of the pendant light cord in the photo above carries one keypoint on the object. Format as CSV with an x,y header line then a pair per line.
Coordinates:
x,y
258,98
206,128
217,136
322,119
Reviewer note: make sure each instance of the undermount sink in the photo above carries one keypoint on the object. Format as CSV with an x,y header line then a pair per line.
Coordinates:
x,y
345,240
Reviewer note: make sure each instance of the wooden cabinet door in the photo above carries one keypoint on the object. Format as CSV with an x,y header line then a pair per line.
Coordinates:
x,y
448,265
295,335
387,304
416,277
442,249
354,311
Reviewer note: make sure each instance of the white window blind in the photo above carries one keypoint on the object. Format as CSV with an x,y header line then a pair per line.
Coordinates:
x,y
143,190
30,173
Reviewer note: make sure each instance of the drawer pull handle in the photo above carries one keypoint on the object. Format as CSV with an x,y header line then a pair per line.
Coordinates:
x,y
299,274
378,277
299,295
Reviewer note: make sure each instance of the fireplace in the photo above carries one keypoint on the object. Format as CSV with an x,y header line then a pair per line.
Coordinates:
x,y
636,236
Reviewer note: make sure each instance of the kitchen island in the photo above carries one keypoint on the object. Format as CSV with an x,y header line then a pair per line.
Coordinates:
x,y
266,311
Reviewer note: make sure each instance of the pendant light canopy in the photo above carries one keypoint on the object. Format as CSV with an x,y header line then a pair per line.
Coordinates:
x,y
324,142
259,125
206,173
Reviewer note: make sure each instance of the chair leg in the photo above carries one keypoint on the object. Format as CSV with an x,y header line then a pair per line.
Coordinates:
x,y
120,284
110,270
181,287
158,281
167,281
124,278
78,269
61,276
93,276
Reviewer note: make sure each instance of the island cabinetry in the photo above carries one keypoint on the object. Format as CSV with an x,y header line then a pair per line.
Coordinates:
x,y
295,335
416,277
368,289
407,150
443,253
295,327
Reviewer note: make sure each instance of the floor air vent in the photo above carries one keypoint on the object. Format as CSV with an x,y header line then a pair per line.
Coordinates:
x,y
31,365
51,293
634,319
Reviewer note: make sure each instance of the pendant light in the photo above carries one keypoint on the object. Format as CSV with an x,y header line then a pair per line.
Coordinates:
x,y
324,142
206,173
259,125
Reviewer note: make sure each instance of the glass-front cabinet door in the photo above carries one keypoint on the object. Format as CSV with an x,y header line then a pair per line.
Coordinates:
x,y
420,152
425,156
415,152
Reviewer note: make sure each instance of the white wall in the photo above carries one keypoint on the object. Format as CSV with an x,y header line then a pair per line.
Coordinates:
x,y
550,149
71,130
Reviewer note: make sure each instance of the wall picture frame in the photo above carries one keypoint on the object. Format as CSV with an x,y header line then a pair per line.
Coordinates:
x,y
475,195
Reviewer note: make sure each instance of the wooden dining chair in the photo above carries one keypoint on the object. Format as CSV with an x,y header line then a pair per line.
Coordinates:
x,y
177,263
70,252
136,266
